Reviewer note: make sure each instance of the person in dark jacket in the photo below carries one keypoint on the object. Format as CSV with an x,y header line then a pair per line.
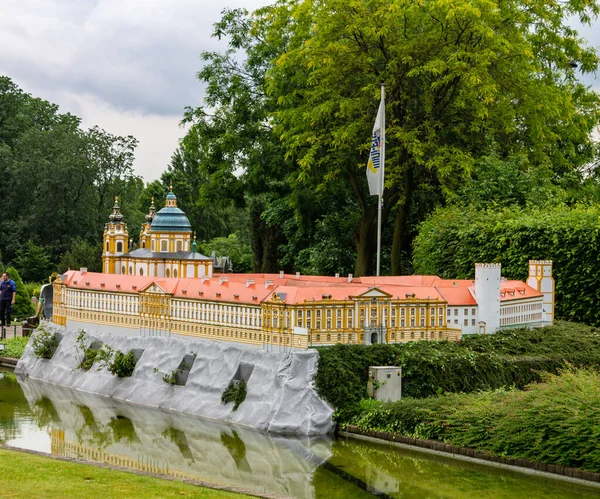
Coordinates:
x,y
8,294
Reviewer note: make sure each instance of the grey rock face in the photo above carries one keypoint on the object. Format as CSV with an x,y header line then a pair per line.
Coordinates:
x,y
280,394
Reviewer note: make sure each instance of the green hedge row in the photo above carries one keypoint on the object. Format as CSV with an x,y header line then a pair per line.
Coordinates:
x,y
555,422
515,357
453,239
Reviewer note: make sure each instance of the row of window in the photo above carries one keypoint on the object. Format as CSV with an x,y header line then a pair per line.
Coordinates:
x,y
519,309
520,319
465,311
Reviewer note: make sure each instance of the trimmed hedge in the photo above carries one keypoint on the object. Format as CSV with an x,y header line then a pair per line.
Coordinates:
x,y
453,239
556,421
512,358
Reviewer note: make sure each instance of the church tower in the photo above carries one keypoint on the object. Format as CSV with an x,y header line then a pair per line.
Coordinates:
x,y
116,240
145,232
540,278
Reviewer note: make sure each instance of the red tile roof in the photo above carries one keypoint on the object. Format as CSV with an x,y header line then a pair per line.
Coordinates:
x,y
254,288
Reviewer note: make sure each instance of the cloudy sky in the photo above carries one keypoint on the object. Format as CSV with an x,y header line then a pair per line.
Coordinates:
x,y
127,66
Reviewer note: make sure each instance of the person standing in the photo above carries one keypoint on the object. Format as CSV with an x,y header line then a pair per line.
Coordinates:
x,y
8,295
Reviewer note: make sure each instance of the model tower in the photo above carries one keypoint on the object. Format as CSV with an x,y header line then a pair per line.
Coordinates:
x,y
116,239
540,278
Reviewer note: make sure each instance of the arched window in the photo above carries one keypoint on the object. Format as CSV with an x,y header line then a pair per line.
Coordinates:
x,y
167,273
123,270
163,245
130,270
107,246
153,247
119,247
143,244
179,247
174,272
141,271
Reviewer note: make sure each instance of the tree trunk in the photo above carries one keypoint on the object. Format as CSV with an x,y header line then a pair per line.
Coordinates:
x,y
366,242
401,241
271,241
256,235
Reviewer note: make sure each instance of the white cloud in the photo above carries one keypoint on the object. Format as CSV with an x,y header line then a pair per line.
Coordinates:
x,y
127,66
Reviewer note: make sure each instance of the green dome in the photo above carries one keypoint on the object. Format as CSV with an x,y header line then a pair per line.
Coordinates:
x,y
170,219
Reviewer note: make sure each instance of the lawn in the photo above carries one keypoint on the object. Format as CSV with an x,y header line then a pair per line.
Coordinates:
x,y
25,475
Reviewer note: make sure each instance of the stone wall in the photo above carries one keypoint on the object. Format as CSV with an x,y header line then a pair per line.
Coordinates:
x,y
280,395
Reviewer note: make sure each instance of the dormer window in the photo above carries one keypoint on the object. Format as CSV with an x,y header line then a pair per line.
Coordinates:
x,y
218,295
102,284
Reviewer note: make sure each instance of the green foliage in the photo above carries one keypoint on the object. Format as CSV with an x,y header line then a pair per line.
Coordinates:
x,y
81,254
116,362
464,80
14,347
555,421
454,238
33,262
59,181
236,393
22,307
239,252
33,288
44,343
89,353
512,358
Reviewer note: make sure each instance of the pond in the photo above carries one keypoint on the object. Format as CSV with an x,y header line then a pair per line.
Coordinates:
x,y
63,422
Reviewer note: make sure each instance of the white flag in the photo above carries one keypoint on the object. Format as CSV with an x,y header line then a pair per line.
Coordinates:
x,y
376,156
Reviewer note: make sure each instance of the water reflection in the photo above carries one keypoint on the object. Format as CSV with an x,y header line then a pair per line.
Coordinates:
x,y
86,426
70,423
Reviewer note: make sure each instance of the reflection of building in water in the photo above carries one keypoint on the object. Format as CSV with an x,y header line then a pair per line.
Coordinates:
x,y
64,448
104,430
165,287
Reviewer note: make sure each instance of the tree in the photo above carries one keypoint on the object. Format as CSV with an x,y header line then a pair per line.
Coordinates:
x,y
33,263
23,307
240,158
464,79
238,252
81,254
59,181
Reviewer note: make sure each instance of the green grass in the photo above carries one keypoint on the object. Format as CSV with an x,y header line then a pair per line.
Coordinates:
x,y
14,347
26,476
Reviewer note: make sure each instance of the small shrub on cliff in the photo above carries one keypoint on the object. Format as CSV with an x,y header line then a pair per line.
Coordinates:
x,y
89,353
236,393
116,362
44,344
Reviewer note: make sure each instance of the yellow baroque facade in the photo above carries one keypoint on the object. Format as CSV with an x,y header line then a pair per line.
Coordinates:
x,y
164,287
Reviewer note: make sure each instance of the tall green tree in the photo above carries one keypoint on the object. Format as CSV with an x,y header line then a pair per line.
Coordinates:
x,y
464,80
241,159
59,181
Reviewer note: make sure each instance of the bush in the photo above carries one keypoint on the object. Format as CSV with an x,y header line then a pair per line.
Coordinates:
x,y
89,353
453,239
14,347
44,343
116,362
22,307
511,358
33,288
555,422
236,393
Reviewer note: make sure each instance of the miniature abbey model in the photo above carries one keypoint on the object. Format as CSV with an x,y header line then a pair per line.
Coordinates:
x,y
166,288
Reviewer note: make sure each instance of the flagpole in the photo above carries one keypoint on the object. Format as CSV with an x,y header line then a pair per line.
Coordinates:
x,y
380,199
